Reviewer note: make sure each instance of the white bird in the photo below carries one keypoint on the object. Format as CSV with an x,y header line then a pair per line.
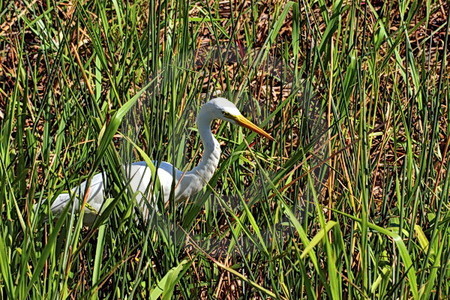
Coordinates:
x,y
139,175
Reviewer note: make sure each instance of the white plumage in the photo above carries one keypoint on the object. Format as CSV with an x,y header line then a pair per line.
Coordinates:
x,y
139,175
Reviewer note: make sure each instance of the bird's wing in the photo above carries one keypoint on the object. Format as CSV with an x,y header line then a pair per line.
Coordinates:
x,y
139,176
95,197
139,181
139,170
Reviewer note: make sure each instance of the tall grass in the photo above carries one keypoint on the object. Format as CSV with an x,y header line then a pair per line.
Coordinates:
x,y
351,201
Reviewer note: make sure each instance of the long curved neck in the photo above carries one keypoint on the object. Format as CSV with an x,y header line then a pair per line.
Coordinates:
x,y
211,154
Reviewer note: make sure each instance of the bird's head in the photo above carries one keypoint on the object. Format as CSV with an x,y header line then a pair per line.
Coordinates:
x,y
221,108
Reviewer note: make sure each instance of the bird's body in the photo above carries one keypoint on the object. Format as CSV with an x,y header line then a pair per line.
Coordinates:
x,y
138,175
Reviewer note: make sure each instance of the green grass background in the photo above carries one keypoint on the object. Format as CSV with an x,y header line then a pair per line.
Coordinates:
x,y
350,202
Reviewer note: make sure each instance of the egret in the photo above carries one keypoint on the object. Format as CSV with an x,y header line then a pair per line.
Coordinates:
x,y
138,174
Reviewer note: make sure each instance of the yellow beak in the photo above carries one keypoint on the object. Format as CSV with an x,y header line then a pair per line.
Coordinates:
x,y
244,122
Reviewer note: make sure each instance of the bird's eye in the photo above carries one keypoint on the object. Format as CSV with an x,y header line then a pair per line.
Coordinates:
x,y
226,114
